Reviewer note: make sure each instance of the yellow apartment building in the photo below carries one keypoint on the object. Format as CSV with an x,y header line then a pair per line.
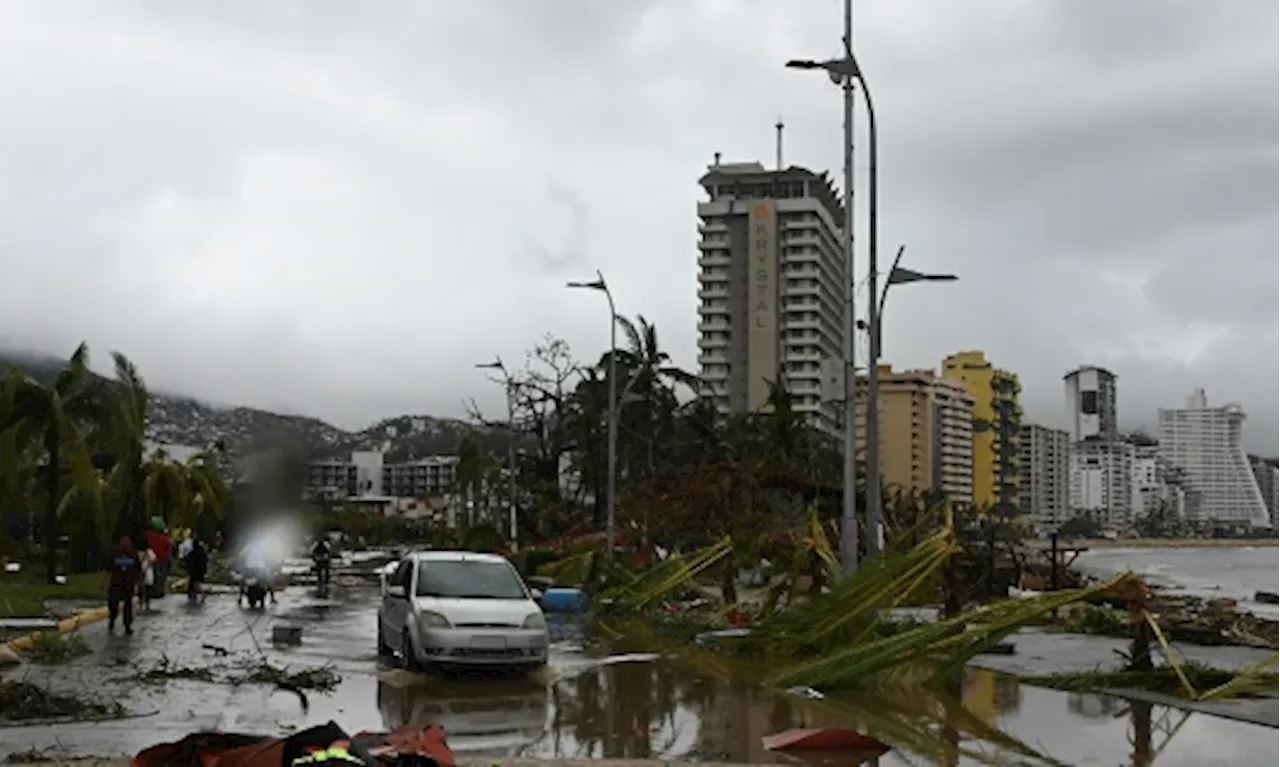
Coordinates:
x,y
997,418
926,433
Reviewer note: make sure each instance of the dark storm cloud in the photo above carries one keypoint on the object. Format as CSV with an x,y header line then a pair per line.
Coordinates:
x,y
341,207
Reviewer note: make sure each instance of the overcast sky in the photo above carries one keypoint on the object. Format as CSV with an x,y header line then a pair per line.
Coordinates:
x,y
338,208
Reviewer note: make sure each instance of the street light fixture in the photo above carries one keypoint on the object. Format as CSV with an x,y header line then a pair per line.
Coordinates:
x,y
844,72
612,481
898,275
509,386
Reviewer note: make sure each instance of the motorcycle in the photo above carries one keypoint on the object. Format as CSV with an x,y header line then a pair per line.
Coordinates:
x,y
253,588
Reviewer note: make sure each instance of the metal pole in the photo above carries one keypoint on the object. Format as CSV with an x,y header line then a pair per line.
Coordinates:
x,y
875,510
612,486
511,463
849,515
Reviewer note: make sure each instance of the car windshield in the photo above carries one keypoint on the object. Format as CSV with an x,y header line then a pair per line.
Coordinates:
x,y
469,579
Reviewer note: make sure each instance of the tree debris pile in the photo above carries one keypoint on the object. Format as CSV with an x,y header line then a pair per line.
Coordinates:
x,y
23,701
257,671
51,648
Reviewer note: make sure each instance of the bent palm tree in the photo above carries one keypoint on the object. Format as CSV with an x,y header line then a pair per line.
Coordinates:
x,y
54,418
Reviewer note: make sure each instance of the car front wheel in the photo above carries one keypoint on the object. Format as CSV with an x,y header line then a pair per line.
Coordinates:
x,y
384,649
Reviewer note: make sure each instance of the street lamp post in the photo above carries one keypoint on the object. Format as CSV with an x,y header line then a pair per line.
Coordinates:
x,y
844,72
612,481
508,386
874,327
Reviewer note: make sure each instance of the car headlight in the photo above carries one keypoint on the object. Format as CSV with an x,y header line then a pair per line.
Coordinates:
x,y
430,620
535,621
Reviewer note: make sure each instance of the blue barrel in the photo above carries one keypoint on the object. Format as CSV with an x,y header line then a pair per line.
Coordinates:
x,y
564,601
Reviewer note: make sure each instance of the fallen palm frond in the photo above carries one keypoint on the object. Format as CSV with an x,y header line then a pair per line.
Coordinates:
x,y
947,644
676,571
852,610
1253,682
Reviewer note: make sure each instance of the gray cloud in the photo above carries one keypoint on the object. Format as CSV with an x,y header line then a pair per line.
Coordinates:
x,y
339,209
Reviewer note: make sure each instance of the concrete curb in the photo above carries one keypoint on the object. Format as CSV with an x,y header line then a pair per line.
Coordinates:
x,y
17,644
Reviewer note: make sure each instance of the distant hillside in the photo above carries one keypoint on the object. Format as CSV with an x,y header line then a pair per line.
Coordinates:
x,y
182,420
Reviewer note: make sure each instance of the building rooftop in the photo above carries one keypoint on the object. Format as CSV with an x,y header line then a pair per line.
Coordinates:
x,y
744,173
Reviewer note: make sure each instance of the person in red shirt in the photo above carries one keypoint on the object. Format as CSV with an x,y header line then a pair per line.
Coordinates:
x,y
162,546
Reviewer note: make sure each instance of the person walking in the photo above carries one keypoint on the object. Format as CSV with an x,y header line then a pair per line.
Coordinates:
x,y
159,542
197,564
125,570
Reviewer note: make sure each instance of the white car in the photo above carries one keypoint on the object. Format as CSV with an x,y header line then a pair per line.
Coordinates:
x,y
459,608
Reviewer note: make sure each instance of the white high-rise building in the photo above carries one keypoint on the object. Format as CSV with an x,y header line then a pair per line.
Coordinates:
x,y
771,287
1044,465
1205,444
1102,481
1091,403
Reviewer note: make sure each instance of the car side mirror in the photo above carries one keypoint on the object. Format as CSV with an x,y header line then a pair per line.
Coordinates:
x,y
536,594
397,592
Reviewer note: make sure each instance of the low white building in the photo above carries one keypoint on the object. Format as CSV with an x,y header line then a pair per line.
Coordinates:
x,y
1101,486
1156,484
1267,475
1206,444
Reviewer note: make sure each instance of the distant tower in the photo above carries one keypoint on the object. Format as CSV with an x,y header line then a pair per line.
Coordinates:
x,y
779,126
1091,403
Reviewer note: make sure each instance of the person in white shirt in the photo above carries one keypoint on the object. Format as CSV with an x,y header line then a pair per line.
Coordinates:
x,y
148,562
185,547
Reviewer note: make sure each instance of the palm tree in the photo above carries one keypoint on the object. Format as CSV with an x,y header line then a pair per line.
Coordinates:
x,y
654,382
181,493
55,418
126,422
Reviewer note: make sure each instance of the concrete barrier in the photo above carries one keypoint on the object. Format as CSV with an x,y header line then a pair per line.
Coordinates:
x,y
18,644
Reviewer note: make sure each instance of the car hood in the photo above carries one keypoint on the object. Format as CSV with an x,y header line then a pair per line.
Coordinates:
x,y
479,612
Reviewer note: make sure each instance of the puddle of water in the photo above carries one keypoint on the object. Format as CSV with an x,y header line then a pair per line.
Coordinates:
x,y
627,706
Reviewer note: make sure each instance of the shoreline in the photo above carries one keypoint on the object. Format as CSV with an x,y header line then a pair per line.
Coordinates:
x,y
1176,543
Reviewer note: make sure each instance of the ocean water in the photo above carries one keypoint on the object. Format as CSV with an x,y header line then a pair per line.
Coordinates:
x,y
1234,572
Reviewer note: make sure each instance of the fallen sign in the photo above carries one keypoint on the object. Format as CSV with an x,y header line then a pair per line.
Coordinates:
x,y
324,744
826,745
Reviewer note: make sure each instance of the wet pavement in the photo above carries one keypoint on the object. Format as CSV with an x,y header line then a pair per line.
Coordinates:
x,y
628,707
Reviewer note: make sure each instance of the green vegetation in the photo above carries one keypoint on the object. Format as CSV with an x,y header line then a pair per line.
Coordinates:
x,y
72,459
24,597
1166,680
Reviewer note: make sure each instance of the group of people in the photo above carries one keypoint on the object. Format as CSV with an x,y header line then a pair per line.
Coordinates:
x,y
143,572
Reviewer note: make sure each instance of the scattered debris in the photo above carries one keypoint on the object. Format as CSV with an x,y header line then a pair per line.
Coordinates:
x,y
166,670
51,648
410,744
1267,598
322,679
23,701
221,652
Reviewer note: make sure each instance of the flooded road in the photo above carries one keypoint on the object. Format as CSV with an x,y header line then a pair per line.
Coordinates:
x,y
579,707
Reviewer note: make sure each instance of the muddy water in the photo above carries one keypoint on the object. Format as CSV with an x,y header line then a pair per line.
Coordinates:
x,y
581,706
